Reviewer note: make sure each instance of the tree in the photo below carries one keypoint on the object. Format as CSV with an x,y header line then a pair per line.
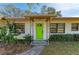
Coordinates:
x,y
59,13
11,11
53,11
44,9
50,11
31,6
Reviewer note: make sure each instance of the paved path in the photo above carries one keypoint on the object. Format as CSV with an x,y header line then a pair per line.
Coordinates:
x,y
36,50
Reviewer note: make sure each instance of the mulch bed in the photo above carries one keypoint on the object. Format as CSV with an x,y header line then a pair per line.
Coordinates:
x,y
14,49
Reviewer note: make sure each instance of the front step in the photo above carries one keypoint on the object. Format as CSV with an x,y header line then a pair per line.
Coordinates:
x,y
39,42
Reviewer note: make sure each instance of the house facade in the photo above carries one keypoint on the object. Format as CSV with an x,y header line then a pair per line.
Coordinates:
x,y
42,26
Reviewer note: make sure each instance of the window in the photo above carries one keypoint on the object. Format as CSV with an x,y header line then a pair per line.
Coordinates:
x,y
60,28
75,27
20,28
57,28
53,28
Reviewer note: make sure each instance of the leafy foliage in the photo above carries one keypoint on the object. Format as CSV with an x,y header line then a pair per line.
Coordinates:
x,y
11,11
28,39
7,32
10,39
31,6
3,32
65,37
44,9
50,11
6,37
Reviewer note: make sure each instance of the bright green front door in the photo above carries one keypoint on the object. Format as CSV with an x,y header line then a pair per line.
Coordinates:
x,y
39,31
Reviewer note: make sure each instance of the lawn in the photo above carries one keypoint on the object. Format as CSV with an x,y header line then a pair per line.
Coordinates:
x,y
61,48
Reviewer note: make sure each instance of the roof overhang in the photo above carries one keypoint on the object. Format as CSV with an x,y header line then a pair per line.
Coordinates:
x,y
40,16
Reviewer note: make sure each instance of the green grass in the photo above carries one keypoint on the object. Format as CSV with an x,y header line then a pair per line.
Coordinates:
x,y
61,48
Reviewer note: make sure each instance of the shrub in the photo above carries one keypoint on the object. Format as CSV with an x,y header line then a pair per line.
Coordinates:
x,y
28,39
76,37
3,32
10,39
65,37
5,37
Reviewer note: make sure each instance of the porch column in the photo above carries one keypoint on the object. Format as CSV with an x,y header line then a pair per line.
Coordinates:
x,y
49,25
47,28
31,27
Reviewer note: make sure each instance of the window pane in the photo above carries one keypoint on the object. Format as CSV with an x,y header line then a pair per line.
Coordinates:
x,y
60,28
53,28
57,28
74,27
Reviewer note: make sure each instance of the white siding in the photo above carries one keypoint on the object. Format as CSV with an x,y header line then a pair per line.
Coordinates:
x,y
68,29
27,28
46,30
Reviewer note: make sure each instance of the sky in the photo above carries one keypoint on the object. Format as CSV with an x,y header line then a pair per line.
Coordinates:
x,y
67,9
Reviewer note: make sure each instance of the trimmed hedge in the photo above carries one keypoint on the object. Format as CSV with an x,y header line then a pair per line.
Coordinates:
x,y
65,37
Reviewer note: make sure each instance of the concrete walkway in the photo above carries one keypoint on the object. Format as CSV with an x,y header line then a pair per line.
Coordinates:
x,y
36,50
